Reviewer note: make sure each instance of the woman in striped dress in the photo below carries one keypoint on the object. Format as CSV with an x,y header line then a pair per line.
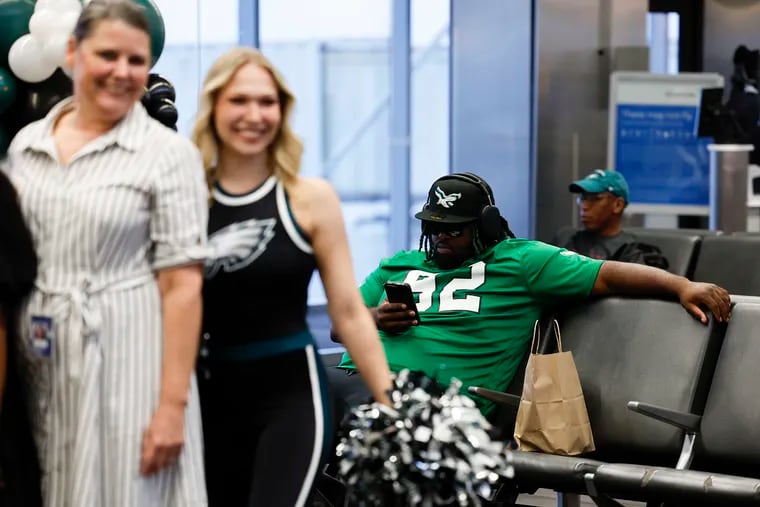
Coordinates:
x,y
117,209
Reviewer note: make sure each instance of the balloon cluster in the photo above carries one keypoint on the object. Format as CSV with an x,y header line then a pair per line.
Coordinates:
x,y
34,56
431,447
33,42
158,100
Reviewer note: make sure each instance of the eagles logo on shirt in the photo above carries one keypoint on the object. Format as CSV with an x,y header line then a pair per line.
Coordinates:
x,y
237,245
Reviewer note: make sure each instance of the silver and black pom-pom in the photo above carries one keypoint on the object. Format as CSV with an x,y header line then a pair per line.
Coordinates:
x,y
430,448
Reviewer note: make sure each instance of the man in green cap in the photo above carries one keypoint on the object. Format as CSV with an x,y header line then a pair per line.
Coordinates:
x,y
602,197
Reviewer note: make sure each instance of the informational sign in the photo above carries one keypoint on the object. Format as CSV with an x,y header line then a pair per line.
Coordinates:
x,y
653,140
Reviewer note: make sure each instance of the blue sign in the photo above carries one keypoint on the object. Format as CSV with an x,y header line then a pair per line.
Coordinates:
x,y
659,154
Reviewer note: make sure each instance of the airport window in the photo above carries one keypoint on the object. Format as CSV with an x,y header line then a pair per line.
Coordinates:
x,y
197,31
663,40
429,102
336,56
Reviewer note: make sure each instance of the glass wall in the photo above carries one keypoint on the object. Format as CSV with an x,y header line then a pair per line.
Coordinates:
x,y
429,103
663,41
336,57
197,31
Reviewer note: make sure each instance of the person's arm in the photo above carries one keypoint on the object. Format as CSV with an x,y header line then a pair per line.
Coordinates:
x,y
181,309
388,317
636,279
371,290
179,218
351,320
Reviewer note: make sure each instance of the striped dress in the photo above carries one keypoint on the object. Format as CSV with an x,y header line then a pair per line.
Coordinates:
x,y
128,204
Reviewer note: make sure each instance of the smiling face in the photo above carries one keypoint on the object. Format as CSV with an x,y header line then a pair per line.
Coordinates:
x,y
110,68
247,112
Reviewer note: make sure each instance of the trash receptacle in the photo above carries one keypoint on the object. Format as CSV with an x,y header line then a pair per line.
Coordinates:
x,y
728,186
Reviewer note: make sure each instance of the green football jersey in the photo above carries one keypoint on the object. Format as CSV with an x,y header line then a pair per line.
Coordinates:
x,y
476,321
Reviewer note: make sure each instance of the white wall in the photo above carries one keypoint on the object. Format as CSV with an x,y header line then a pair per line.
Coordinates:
x,y
727,24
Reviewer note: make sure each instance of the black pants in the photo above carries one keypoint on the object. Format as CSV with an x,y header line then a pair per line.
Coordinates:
x,y
19,468
266,429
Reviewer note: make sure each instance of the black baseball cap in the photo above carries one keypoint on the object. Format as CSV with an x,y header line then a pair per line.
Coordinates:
x,y
452,200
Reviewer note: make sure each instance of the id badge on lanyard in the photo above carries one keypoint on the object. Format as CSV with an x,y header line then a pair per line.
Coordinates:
x,y
41,335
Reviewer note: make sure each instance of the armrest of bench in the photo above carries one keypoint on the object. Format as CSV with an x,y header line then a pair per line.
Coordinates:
x,y
499,397
683,420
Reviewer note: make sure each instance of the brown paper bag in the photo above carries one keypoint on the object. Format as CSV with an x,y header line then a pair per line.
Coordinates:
x,y
552,416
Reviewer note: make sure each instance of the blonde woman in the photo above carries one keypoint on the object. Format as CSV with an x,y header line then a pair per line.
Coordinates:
x,y
262,388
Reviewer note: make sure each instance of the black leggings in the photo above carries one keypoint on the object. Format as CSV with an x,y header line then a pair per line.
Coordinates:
x,y
19,469
266,429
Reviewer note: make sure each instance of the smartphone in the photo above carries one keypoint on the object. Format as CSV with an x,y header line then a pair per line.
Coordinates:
x,y
402,293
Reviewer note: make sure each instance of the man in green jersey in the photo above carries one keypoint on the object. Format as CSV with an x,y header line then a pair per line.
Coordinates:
x,y
479,290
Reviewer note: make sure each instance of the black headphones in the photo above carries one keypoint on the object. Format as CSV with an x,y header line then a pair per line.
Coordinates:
x,y
491,225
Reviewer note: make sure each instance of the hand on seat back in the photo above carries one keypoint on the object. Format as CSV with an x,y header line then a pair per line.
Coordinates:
x,y
696,294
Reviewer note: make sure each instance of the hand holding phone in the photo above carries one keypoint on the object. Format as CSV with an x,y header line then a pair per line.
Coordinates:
x,y
389,316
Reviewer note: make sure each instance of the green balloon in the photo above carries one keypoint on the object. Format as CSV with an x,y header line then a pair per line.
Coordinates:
x,y
157,29
7,90
14,22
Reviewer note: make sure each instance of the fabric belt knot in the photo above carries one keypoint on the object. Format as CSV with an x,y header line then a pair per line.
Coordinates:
x,y
84,314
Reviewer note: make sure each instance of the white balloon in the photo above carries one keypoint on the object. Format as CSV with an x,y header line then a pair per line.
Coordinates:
x,y
24,59
44,4
43,22
59,5
54,49
67,22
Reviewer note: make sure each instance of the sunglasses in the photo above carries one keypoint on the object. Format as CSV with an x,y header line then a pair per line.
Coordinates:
x,y
451,230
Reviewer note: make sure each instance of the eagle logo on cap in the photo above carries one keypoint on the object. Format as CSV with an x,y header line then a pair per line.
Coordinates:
x,y
444,200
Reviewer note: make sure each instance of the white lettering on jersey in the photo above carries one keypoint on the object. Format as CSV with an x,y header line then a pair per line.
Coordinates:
x,y
424,284
237,245
447,300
